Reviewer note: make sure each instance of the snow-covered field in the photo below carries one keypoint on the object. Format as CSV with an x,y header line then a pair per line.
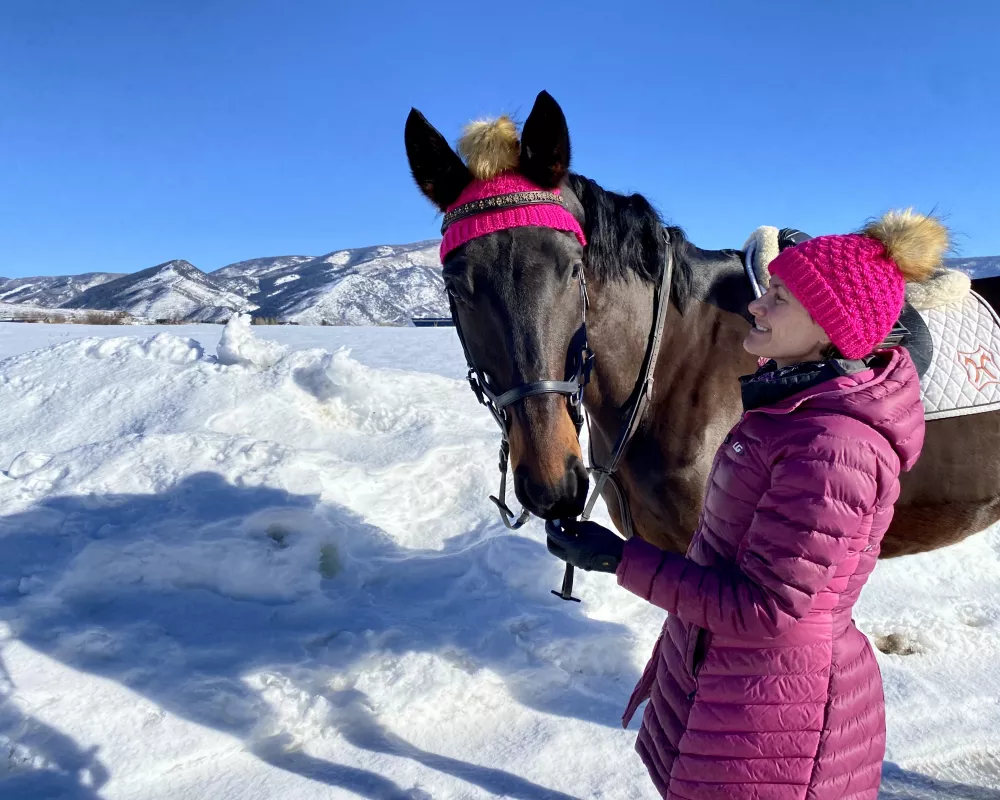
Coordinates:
x,y
266,568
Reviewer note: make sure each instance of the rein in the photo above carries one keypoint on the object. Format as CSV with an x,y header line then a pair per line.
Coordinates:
x,y
572,388
605,474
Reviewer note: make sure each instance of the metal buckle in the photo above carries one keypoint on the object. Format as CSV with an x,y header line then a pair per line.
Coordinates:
x,y
897,336
587,367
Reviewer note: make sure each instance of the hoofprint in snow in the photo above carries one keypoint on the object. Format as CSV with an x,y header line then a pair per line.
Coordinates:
x,y
273,571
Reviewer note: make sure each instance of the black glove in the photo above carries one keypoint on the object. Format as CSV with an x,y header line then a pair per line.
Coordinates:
x,y
584,544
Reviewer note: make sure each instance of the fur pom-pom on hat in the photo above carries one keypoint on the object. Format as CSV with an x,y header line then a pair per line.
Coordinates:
x,y
490,147
915,242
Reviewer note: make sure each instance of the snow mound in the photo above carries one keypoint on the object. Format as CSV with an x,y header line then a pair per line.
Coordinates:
x,y
239,346
161,347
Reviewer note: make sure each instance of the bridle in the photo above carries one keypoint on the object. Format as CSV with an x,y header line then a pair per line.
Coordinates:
x,y
481,387
572,388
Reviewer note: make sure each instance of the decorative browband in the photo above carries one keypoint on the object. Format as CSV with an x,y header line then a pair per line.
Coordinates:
x,y
499,203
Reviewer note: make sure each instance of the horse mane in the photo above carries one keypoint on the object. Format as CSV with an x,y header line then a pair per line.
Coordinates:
x,y
625,237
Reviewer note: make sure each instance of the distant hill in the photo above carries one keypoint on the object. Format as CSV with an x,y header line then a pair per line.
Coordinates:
x,y
51,291
172,290
387,284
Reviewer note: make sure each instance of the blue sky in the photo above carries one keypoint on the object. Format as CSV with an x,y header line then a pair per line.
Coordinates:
x,y
135,132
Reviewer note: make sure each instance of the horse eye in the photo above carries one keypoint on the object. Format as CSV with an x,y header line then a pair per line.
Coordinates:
x,y
575,272
454,293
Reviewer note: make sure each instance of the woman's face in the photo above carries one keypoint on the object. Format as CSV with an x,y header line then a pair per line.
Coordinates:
x,y
783,329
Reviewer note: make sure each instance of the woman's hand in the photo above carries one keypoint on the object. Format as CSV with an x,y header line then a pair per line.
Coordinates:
x,y
584,544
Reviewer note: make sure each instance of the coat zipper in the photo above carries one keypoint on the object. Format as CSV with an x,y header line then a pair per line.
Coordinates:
x,y
699,656
698,659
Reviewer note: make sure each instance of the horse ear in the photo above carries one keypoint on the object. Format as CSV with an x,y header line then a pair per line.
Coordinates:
x,y
436,168
545,143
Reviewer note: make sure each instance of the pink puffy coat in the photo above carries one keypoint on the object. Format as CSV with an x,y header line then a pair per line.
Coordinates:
x,y
760,687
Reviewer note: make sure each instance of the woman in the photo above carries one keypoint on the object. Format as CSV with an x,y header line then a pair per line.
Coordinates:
x,y
760,685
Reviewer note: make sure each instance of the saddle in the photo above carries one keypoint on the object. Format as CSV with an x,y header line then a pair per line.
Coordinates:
x,y
952,334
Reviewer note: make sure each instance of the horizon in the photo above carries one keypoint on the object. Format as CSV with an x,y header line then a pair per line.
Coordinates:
x,y
218,132
425,242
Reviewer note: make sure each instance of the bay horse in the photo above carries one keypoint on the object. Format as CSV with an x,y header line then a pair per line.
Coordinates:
x,y
516,300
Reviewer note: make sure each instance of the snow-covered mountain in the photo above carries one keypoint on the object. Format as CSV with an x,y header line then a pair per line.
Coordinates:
x,y
243,277
50,291
255,267
175,290
383,285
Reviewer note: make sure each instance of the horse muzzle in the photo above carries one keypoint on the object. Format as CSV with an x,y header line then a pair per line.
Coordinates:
x,y
560,499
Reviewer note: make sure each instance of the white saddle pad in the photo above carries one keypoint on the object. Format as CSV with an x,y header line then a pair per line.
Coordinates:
x,y
964,375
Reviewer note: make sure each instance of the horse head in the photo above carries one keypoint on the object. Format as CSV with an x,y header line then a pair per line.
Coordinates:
x,y
516,286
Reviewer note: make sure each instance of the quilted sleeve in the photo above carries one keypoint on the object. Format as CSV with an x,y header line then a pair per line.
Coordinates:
x,y
819,493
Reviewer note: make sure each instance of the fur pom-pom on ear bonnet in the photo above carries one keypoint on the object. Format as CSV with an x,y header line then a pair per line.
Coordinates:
x,y
492,152
490,147
854,285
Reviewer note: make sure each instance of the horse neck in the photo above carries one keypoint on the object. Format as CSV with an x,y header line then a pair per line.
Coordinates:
x,y
700,358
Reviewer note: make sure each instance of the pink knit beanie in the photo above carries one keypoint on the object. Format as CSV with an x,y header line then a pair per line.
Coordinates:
x,y
546,212
854,285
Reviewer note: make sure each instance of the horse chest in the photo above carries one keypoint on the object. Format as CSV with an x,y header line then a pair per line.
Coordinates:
x,y
723,471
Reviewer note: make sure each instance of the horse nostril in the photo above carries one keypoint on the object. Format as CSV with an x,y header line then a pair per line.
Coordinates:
x,y
560,500
577,482
528,492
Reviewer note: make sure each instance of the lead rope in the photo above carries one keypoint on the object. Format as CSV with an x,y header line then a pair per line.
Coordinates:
x,y
661,302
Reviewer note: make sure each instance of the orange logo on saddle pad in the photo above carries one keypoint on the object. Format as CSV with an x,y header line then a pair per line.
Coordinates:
x,y
981,367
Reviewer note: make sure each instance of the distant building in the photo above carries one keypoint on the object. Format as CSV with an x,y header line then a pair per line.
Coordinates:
x,y
433,322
